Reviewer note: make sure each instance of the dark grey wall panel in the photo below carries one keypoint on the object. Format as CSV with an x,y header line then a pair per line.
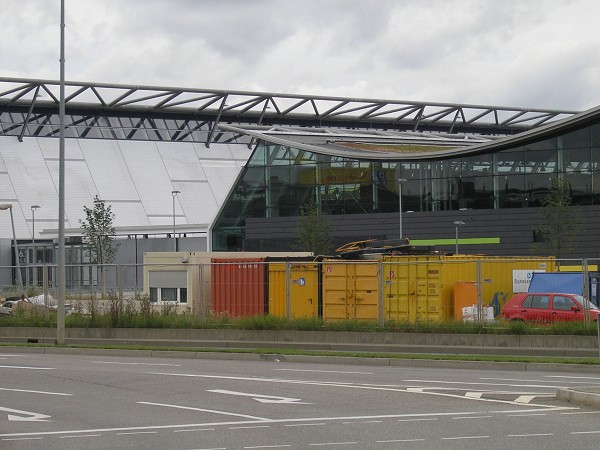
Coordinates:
x,y
515,228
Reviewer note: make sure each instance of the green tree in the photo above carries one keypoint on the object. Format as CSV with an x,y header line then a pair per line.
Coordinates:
x,y
314,230
99,234
562,221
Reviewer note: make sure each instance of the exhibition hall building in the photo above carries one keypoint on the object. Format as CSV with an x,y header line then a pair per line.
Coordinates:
x,y
197,170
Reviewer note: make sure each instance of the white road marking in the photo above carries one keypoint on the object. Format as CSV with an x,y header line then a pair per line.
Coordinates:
x,y
484,384
261,398
530,435
271,446
464,437
414,420
136,432
537,381
195,430
26,367
585,432
202,410
470,418
362,421
525,398
348,386
424,416
135,363
323,371
35,392
333,443
474,394
25,416
569,376
581,412
22,439
249,427
79,436
524,415
305,424
400,440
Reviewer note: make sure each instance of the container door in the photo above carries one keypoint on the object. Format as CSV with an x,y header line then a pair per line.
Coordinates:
x,y
335,292
304,290
364,283
400,294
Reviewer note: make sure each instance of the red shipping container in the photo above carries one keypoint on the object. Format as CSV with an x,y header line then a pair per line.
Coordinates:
x,y
238,286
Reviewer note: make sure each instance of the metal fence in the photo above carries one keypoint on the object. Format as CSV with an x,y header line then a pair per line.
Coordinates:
x,y
401,289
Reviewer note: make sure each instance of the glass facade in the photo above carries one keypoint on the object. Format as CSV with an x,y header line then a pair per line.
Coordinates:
x,y
278,180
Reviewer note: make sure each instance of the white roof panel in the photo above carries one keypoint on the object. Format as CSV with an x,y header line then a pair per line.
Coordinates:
x,y
108,170
135,177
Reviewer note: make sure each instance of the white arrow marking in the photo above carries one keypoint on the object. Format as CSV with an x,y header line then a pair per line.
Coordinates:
x,y
263,398
29,416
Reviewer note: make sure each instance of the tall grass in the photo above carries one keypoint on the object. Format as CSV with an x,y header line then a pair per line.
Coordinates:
x,y
124,315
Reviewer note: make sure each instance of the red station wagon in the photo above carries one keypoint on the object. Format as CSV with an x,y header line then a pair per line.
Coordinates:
x,y
548,307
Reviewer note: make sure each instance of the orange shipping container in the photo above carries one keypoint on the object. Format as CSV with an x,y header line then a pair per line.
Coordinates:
x,y
238,286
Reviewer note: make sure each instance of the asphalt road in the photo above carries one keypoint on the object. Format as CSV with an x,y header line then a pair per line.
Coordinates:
x,y
112,402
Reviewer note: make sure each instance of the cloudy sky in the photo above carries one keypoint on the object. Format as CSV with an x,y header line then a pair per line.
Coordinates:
x,y
532,53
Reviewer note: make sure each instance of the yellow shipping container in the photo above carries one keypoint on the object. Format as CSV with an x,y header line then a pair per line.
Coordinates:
x,y
350,290
303,285
422,287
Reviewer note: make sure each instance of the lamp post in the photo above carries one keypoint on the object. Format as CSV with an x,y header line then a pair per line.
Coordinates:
x,y
33,208
400,181
4,207
174,194
457,225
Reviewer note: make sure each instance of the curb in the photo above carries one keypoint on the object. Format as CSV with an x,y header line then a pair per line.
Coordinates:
x,y
585,396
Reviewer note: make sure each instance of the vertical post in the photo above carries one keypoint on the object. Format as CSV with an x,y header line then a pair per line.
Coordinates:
x,y
62,283
45,287
400,181
479,293
380,297
17,262
585,279
288,300
457,225
35,269
174,194
120,285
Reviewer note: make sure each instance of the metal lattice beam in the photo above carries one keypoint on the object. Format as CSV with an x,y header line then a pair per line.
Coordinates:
x,y
244,107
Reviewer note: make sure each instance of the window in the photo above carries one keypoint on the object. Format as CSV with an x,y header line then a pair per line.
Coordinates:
x,y
168,286
562,303
168,295
540,301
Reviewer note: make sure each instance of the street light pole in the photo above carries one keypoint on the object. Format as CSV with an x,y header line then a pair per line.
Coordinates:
x,y
400,181
33,208
457,225
9,206
174,194
61,257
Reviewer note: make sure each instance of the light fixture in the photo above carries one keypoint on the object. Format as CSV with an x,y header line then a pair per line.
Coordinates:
x,y
457,224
